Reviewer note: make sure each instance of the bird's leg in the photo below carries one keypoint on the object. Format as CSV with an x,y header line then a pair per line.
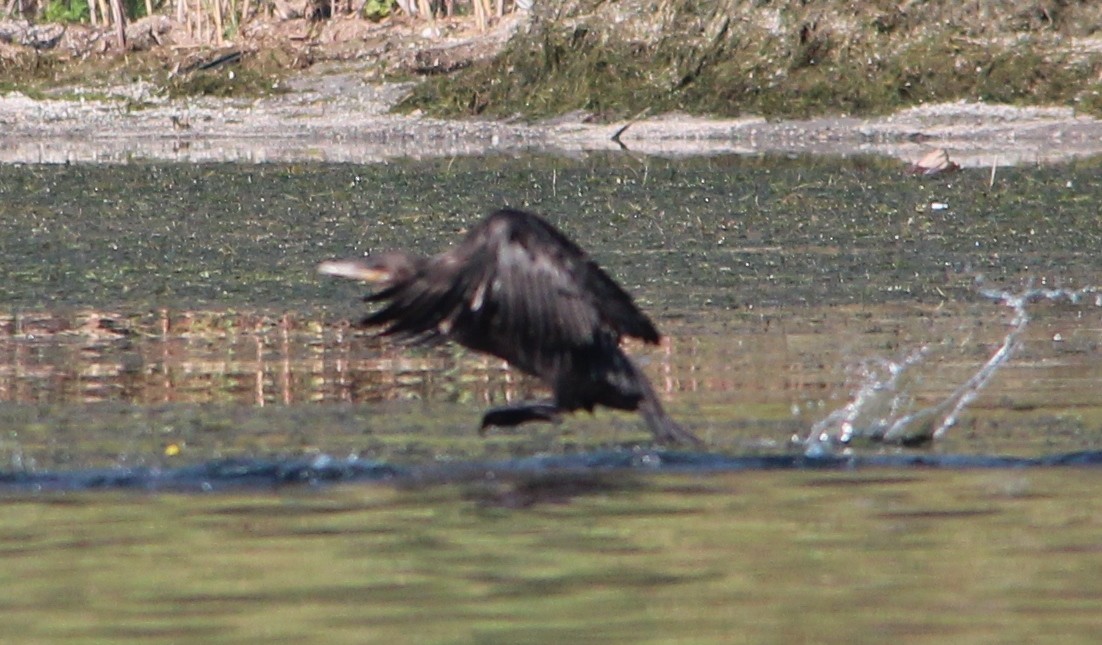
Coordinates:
x,y
518,413
665,430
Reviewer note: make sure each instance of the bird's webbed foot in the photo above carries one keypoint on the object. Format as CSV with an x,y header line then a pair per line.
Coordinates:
x,y
514,415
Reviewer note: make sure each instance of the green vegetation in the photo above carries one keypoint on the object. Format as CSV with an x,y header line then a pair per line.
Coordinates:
x,y
42,76
67,11
237,82
377,9
77,10
733,57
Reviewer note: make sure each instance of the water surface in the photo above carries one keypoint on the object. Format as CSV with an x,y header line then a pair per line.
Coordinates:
x,y
161,317
928,556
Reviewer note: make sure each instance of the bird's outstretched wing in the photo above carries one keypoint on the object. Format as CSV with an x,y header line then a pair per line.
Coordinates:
x,y
516,288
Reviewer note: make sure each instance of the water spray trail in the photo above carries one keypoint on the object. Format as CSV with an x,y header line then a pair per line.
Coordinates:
x,y
845,420
970,389
822,440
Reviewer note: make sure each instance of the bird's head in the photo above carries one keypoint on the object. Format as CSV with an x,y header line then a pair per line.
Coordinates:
x,y
382,269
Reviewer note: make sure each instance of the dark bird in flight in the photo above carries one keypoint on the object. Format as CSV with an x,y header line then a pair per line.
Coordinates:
x,y
517,288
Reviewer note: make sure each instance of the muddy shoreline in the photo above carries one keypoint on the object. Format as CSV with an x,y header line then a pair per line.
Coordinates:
x,y
333,114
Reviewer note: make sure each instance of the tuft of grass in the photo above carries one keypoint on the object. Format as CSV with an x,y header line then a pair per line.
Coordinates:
x,y
225,82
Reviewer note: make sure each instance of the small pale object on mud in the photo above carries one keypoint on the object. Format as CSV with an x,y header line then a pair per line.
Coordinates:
x,y
935,162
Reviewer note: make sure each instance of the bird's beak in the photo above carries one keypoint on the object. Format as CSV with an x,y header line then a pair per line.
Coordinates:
x,y
354,269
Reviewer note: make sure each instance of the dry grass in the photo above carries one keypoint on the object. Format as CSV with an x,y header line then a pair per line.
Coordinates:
x,y
213,22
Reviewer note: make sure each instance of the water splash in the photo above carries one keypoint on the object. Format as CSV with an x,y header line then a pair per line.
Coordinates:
x,y
878,399
875,412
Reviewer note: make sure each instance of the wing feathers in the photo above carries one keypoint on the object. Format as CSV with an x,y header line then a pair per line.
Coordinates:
x,y
517,288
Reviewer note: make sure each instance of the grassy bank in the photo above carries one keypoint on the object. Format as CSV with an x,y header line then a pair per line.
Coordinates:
x,y
779,59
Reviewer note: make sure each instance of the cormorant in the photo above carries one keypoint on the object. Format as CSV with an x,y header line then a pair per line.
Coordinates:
x,y
517,288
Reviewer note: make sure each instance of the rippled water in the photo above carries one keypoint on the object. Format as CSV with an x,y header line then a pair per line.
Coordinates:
x,y
928,556
159,318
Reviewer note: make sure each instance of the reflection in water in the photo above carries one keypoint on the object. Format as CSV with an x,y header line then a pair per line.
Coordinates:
x,y
207,357
102,387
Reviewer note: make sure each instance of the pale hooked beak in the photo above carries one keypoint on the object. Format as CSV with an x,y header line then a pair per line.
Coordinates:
x,y
354,269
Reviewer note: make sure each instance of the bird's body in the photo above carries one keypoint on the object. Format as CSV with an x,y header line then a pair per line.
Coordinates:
x,y
517,288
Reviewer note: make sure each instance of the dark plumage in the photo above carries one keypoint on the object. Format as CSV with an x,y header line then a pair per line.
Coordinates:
x,y
517,288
